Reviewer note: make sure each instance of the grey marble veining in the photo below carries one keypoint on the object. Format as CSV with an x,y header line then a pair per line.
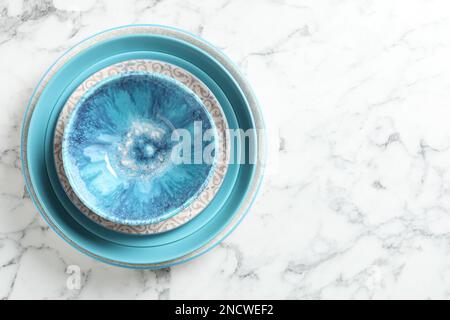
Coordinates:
x,y
356,201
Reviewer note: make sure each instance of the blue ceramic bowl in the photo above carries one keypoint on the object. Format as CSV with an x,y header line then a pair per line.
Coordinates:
x,y
122,149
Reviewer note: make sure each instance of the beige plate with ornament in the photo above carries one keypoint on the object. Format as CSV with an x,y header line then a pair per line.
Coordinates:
x,y
210,103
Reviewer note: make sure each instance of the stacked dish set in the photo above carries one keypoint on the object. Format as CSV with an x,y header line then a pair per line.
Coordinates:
x,y
127,151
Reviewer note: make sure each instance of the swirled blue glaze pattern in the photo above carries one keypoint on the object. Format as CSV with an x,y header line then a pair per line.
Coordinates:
x,y
122,148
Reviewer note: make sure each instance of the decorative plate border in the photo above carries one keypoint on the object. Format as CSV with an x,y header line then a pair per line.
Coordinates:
x,y
193,40
209,101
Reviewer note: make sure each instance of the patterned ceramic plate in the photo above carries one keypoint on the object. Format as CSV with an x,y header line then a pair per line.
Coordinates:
x,y
142,67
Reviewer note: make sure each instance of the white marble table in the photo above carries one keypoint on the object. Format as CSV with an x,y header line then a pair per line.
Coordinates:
x,y
356,203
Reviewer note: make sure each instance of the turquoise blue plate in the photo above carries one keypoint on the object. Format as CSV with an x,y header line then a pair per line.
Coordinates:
x,y
180,244
158,239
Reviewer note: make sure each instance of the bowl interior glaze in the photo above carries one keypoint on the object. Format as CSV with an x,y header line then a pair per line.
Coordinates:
x,y
130,149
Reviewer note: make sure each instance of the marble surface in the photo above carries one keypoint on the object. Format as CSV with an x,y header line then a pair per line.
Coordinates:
x,y
356,202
